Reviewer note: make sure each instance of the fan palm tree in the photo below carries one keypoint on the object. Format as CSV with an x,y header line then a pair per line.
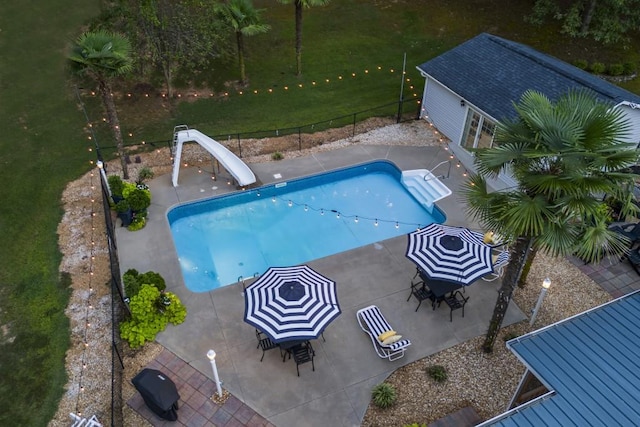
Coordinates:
x,y
565,157
244,18
299,4
104,56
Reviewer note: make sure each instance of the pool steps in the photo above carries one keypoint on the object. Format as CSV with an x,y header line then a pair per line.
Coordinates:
x,y
425,187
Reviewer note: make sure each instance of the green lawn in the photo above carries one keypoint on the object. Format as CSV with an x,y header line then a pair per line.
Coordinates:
x,y
43,146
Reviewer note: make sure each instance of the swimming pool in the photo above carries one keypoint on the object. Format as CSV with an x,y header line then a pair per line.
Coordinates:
x,y
224,239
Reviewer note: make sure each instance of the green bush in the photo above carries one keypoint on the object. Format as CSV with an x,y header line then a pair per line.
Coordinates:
x,y
133,281
123,206
581,63
438,373
144,174
277,156
384,395
509,336
139,199
615,69
151,311
115,185
415,425
598,68
629,68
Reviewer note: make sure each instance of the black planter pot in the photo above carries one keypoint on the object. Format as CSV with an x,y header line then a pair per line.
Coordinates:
x,y
116,199
126,217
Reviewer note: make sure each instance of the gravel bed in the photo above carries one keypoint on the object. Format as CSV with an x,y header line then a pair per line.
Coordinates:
x,y
484,381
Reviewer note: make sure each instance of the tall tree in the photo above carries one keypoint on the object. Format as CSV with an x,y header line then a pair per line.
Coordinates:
x,y
299,4
174,35
103,56
564,156
244,19
607,21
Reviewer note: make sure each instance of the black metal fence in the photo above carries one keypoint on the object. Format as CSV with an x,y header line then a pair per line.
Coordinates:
x,y
282,140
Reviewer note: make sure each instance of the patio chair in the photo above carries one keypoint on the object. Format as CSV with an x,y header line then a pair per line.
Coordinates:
x,y
455,301
630,230
421,292
376,326
265,343
303,353
634,259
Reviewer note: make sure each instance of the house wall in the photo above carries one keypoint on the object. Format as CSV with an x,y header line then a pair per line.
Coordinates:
x,y
632,112
442,108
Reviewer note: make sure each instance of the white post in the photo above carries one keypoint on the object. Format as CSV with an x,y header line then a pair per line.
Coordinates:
x,y
103,175
212,357
545,287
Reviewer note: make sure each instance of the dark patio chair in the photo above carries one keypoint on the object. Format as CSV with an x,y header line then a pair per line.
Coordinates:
x,y
421,292
303,353
455,301
634,259
264,342
630,230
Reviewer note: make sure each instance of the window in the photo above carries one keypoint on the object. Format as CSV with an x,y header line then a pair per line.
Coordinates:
x,y
478,131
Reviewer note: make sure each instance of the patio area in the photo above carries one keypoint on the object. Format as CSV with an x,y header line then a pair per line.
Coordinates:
x,y
346,365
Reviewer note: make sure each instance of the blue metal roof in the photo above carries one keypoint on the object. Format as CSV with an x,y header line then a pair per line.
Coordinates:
x,y
492,73
591,363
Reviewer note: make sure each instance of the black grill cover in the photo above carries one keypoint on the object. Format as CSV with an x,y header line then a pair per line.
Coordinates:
x,y
159,393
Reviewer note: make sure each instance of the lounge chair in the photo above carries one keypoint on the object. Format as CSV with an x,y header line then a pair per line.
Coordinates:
x,y
375,325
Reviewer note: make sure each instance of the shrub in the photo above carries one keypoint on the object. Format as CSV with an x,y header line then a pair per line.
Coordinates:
x,y
139,199
438,373
277,156
151,311
144,174
115,185
138,223
615,69
598,68
581,63
384,395
629,68
509,336
415,425
133,281
123,206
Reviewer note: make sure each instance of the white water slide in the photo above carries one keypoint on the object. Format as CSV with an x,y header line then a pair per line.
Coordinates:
x,y
232,163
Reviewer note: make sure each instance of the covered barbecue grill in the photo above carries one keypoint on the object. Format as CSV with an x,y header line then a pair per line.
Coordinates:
x,y
159,393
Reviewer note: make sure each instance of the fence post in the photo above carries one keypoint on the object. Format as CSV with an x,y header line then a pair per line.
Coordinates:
x,y
353,131
239,146
299,139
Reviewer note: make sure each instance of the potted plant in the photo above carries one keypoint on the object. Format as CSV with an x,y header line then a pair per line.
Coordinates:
x,y
125,213
139,200
115,186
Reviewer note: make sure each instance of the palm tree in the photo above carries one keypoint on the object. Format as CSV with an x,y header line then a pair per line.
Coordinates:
x,y
244,18
102,56
299,4
565,157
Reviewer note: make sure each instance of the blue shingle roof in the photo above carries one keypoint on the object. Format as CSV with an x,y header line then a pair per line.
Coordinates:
x,y
492,73
592,364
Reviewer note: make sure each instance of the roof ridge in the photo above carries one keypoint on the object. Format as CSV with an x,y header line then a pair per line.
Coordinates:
x,y
557,65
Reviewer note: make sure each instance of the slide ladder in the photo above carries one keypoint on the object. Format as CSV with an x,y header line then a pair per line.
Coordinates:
x,y
425,187
232,163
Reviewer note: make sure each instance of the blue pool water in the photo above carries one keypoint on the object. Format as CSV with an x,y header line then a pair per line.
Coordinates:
x,y
223,239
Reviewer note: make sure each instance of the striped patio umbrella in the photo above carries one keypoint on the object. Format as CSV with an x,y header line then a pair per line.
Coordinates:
x,y
291,303
454,254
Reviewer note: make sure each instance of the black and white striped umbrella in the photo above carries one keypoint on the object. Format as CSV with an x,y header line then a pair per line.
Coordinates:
x,y
291,303
454,254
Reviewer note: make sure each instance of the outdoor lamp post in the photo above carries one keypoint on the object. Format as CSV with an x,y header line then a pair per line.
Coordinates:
x,y
212,357
545,287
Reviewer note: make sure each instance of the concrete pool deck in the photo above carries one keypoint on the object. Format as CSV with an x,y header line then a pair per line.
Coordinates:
x,y
346,366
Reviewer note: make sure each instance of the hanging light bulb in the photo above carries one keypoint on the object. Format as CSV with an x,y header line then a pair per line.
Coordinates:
x,y
356,220
376,223
321,211
258,194
306,208
338,215
397,225
273,199
290,203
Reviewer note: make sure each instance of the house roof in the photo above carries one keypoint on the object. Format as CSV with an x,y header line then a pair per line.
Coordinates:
x,y
591,363
492,73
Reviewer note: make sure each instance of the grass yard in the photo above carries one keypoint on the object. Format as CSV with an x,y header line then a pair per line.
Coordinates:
x,y
43,145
